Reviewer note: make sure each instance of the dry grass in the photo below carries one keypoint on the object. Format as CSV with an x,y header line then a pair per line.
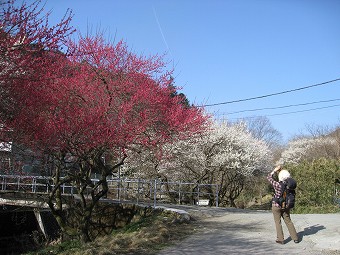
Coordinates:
x,y
146,236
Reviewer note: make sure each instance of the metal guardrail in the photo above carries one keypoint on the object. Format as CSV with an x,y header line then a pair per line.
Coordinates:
x,y
132,190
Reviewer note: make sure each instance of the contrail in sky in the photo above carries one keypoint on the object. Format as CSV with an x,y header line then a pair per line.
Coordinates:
x,y
160,29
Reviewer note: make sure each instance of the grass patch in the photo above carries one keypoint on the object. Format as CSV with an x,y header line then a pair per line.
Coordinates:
x,y
58,248
148,235
316,209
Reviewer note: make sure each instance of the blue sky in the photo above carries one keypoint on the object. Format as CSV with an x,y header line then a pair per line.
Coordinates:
x,y
232,50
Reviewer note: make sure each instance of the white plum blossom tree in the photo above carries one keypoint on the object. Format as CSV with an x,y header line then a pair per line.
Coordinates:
x,y
309,148
224,146
296,150
226,155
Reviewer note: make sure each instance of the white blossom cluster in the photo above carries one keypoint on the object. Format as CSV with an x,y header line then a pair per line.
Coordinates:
x,y
307,148
233,147
224,147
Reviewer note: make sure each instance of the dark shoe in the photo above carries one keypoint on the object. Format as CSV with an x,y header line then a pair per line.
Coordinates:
x,y
279,242
296,241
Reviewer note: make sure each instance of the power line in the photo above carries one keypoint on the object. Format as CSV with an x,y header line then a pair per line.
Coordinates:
x,y
273,94
280,107
308,110
286,113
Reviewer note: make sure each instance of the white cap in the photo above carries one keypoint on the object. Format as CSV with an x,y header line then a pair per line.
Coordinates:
x,y
283,175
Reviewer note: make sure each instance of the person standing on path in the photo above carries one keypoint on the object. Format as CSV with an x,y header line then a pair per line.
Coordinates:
x,y
279,212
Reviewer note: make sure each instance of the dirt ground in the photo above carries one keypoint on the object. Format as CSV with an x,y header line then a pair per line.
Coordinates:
x,y
235,231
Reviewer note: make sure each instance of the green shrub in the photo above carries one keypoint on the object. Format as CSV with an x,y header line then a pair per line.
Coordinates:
x,y
315,192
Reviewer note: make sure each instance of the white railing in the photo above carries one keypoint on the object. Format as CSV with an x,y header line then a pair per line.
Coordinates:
x,y
134,190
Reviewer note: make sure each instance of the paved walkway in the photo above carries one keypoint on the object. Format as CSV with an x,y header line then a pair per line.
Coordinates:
x,y
235,231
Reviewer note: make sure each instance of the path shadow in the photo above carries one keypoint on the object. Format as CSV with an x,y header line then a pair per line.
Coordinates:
x,y
308,231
